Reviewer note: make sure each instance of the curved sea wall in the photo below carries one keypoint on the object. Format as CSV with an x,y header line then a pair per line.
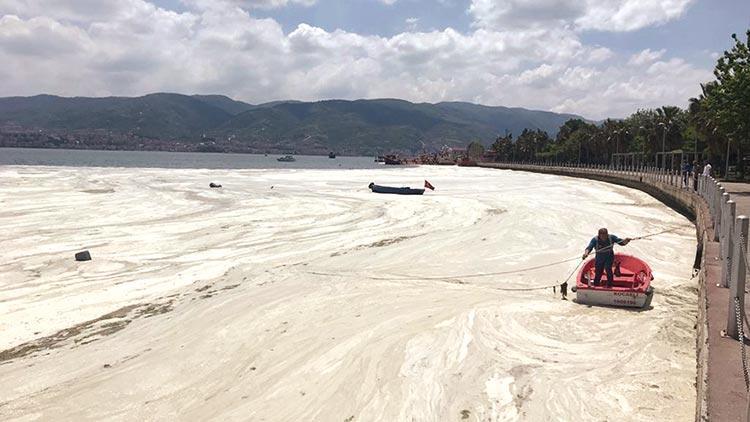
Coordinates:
x,y
667,188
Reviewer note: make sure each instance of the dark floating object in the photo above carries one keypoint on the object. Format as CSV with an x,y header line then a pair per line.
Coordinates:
x,y
331,155
286,159
392,160
213,185
397,191
83,256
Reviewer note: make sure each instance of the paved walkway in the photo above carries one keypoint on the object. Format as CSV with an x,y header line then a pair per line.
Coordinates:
x,y
740,193
727,398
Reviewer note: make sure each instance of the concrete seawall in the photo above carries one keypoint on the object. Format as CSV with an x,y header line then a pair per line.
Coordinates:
x,y
713,401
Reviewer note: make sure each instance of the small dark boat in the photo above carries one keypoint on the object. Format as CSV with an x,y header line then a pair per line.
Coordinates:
x,y
445,161
397,191
331,155
392,160
286,159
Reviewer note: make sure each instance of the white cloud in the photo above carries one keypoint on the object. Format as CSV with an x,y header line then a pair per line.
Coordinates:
x,y
630,15
248,4
134,47
79,10
599,54
624,88
602,15
645,57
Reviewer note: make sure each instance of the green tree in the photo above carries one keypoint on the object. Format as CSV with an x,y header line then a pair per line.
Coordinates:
x,y
531,143
572,142
720,116
475,150
730,100
503,148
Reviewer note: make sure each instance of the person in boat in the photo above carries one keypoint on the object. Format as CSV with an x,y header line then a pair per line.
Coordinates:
x,y
604,244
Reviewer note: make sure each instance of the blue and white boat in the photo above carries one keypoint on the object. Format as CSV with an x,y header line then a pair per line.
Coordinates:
x,y
397,191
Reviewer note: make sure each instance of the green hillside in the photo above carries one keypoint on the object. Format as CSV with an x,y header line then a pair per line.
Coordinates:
x,y
361,127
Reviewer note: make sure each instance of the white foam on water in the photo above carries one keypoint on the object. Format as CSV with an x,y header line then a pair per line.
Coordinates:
x,y
319,300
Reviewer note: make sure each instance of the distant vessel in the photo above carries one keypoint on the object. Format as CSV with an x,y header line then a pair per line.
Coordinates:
x,y
380,159
467,162
398,191
392,160
331,155
286,159
445,161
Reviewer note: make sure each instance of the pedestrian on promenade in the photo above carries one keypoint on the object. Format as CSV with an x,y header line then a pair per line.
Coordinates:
x,y
603,243
687,168
707,169
696,171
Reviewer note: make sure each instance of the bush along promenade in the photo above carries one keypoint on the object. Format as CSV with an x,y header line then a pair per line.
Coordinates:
x,y
720,211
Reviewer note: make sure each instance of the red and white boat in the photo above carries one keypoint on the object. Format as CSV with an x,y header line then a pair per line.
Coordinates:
x,y
631,286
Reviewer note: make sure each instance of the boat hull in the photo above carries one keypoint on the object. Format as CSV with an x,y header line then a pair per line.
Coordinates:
x,y
396,191
610,297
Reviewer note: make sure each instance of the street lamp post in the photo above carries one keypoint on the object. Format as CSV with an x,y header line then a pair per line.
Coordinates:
x,y
664,143
620,133
641,129
726,167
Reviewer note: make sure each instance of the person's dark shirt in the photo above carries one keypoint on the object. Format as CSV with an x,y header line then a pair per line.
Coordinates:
x,y
612,240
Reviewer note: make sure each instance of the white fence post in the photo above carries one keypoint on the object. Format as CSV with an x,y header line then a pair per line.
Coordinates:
x,y
730,208
737,285
717,218
723,226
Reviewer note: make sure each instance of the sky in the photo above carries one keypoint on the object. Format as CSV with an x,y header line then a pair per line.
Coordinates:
x,y
595,58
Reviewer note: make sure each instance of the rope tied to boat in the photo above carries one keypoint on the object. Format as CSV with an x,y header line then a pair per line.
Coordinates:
x,y
452,278
532,268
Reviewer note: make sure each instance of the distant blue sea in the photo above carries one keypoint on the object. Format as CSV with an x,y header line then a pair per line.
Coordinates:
x,y
177,160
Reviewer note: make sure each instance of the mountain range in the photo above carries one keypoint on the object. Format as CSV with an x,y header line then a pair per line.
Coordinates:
x,y
219,123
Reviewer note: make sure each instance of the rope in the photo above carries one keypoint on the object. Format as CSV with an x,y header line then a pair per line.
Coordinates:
x,y
451,278
674,229
520,270
536,267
